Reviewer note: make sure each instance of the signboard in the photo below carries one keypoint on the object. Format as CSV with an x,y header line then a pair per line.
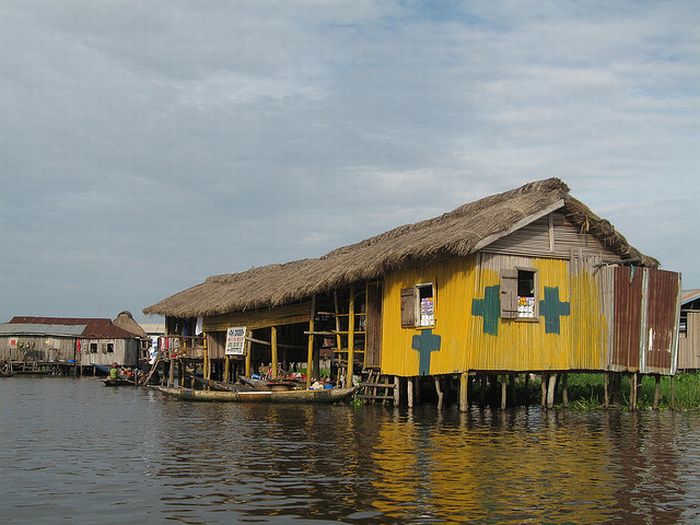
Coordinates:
x,y
235,340
13,342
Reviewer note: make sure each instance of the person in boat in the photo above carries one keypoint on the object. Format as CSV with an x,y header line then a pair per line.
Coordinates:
x,y
114,371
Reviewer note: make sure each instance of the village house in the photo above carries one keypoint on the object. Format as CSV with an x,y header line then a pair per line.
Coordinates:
x,y
689,331
84,342
530,280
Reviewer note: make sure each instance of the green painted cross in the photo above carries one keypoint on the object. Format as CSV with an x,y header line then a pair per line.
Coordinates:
x,y
489,308
425,343
552,309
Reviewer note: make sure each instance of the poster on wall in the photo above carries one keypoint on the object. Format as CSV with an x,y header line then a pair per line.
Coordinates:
x,y
235,340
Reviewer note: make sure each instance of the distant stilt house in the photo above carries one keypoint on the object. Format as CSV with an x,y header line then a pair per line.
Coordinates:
x,y
84,341
530,280
689,339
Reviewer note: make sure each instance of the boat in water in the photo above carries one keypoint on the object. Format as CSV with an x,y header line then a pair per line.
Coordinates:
x,y
328,395
118,381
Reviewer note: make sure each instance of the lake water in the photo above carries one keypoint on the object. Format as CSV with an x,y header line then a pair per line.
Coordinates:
x,y
74,451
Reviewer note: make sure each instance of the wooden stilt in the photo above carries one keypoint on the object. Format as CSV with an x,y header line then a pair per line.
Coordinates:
x,y
273,351
464,392
409,392
171,373
657,391
543,390
180,373
511,381
633,391
438,390
227,369
482,389
527,389
606,393
551,387
248,351
310,348
673,392
351,336
397,391
565,390
416,390
504,393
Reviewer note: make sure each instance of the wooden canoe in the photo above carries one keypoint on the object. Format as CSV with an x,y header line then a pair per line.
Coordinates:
x,y
330,395
119,381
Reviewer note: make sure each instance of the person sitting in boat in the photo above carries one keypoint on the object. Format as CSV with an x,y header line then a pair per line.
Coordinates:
x,y
316,385
114,371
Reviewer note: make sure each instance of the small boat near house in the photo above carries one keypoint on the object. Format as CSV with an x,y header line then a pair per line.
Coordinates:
x,y
329,395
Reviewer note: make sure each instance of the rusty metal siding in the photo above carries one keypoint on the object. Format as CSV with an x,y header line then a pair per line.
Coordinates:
x,y
628,318
662,296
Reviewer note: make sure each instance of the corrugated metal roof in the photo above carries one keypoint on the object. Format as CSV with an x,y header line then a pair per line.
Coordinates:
x,y
97,328
153,328
690,296
74,330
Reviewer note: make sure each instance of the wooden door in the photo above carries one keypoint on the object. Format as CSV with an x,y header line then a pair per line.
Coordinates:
x,y
373,326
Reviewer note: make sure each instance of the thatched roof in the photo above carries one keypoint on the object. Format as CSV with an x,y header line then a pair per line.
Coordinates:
x,y
457,233
127,322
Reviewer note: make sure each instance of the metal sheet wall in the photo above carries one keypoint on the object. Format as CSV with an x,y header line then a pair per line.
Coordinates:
x,y
662,303
689,344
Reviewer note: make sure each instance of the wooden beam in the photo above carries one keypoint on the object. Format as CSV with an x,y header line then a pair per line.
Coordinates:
x,y
397,391
310,346
409,392
550,390
227,368
504,394
273,349
248,351
438,390
351,336
565,389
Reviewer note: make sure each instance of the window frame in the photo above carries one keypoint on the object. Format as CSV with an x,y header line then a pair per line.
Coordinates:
x,y
510,280
410,305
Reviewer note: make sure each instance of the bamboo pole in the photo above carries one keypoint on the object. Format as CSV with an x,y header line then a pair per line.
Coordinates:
x,y
351,337
273,349
310,349
464,392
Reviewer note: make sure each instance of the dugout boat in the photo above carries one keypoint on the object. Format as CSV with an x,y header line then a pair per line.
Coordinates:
x,y
329,395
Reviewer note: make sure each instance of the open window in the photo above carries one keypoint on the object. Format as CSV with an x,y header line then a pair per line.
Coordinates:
x,y
519,294
93,348
110,348
418,306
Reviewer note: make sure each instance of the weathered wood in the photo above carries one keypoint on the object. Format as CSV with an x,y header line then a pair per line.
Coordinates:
x,y
543,390
397,391
657,391
279,345
248,357
273,351
409,392
606,393
511,381
633,391
171,373
227,369
464,392
438,390
673,392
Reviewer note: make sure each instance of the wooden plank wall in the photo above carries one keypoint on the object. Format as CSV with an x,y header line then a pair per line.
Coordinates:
x,y
689,344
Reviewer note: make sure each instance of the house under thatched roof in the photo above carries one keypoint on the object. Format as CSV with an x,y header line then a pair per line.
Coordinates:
x,y
461,232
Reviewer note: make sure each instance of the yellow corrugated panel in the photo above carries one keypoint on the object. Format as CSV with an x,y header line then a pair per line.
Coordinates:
x,y
452,280
520,345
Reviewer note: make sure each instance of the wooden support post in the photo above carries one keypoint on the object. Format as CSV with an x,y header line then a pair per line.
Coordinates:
x,y
464,392
205,358
310,349
416,390
565,389
606,393
227,368
543,390
171,373
657,391
273,351
438,390
513,400
409,388
551,387
180,373
673,392
504,394
397,391
248,351
351,336
633,391
482,389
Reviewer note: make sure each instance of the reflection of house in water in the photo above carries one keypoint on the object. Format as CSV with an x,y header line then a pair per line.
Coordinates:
x,y
83,341
530,280
689,337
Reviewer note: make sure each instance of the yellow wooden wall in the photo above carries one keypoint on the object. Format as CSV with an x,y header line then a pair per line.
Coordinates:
x,y
519,345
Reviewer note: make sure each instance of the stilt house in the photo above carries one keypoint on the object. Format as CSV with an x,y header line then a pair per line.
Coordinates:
x,y
524,281
689,332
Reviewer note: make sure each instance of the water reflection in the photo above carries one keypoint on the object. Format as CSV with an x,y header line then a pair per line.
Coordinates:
x,y
78,450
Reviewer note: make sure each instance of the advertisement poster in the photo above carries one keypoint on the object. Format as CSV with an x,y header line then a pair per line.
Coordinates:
x,y
235,340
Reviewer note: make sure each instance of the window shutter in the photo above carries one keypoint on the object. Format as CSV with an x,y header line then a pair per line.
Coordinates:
x,y
408,307
509,294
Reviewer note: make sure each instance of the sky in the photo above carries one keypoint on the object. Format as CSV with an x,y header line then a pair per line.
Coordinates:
x,y
147,145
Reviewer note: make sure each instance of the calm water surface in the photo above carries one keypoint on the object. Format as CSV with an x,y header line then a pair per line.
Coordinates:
x,y
74,451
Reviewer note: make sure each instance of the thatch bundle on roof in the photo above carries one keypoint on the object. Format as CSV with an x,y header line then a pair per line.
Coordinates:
x,y
127,322
457,233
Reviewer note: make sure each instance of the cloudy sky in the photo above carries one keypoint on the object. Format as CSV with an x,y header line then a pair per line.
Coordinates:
x,y
146,145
